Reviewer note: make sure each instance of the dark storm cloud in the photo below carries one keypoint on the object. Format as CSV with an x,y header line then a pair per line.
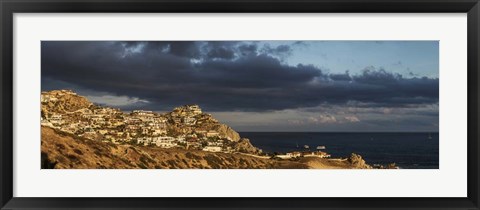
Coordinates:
x,y
248,49
220,76
221,52
341,77
380,77
258,72
185,49
282,51
394,89
300,43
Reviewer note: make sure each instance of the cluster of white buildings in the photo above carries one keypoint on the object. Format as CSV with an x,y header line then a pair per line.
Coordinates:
x,y
48,97
186,114
160,141
185,127
290,155
138,127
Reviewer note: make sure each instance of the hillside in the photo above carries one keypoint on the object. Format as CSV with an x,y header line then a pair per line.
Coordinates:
x,y
67,111
62,150
78,134
63,101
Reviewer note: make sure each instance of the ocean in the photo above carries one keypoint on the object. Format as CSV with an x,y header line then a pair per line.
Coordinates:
x,y
407,150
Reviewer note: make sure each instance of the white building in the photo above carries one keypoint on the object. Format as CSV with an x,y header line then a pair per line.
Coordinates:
x,y
164,141
212,133
48,98
289,155
143,113
56,119
212,149
159,131
45,122
144,140
189,120
181,139
195,109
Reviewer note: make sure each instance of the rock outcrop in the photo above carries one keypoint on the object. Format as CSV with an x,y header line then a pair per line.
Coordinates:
x,y
227,131
358,162
62,101
244,146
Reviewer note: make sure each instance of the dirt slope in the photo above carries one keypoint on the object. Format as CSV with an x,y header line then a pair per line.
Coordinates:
x,y
63,150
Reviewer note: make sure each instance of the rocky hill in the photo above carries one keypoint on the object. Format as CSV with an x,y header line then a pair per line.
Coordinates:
x,y
182,120
63,101
78,134
63,150
227,131
196,119
60,150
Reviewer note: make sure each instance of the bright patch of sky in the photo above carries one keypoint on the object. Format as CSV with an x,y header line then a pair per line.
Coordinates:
x,y
408,58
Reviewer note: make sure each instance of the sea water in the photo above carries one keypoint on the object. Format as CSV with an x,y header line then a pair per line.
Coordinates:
x,y
406,150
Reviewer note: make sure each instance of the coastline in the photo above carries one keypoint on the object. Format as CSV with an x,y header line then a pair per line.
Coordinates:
x,y
61,150
409,150
96,136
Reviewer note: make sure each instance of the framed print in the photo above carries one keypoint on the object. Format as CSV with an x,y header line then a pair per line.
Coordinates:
x,y
239,105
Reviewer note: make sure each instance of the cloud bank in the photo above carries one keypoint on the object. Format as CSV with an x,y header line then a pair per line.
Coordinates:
x,y
222,76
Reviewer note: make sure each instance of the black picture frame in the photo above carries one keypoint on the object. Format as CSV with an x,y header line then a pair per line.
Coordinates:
x,y
9,7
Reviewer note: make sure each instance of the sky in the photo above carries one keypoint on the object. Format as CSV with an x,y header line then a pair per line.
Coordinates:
x,y
295,86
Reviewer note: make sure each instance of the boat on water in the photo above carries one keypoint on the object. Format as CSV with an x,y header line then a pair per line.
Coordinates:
x,y
429,136
306,146
321,147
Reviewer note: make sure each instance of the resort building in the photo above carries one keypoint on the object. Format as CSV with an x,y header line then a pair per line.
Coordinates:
x,y
164,141
212,149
